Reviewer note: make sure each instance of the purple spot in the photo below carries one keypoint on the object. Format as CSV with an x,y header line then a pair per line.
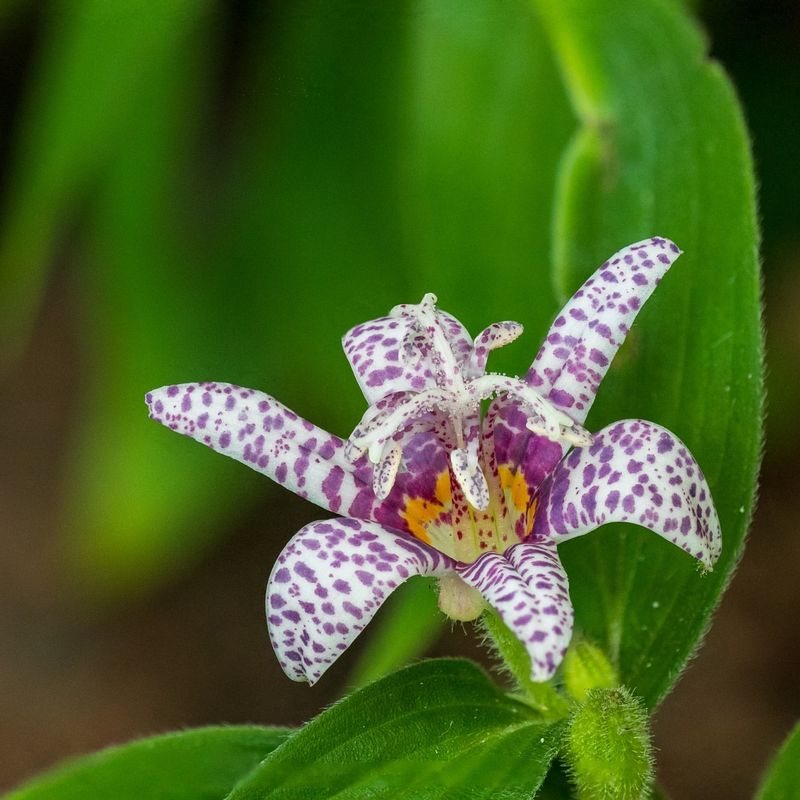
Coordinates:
x,y
598,358
366,578
665,443
561,398
304,571
352,610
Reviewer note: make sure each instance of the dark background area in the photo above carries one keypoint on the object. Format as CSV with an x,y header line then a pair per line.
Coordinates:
x,y
76,675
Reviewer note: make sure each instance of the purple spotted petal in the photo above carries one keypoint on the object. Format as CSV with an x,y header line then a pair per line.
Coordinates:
x,y
390,355
257,430
636,472
590,329
519,459
328,583
529,589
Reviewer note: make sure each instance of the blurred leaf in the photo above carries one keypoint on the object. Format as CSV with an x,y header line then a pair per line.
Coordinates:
x,y
406,627
98,61
315,217
190,765
434,730
782,781
140,503
487,120
662,149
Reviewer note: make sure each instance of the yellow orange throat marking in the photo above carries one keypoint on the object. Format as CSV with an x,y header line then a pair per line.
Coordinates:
x,y
419,512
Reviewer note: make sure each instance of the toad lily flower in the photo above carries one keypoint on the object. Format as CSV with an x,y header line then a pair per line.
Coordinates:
x,y
426,485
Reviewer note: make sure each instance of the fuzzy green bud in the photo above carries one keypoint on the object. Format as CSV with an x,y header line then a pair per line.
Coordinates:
x,y
586,667
608,750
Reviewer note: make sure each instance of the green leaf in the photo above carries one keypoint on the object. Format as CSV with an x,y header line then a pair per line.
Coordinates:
x,y
434,730
782,781
191,765
662,149
407,625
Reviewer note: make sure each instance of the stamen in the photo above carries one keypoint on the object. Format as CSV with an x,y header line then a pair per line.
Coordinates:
x,y
373,419
545,416
386,472
470,478
497,335
576,435
427,338
458,393
400,417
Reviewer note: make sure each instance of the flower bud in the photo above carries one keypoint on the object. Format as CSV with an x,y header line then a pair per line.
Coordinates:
x,y
608,751
586,667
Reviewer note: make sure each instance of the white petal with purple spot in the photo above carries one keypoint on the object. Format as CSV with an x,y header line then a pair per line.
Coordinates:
x,y
404,351
590,329
328,583
530,591
636,472
262,433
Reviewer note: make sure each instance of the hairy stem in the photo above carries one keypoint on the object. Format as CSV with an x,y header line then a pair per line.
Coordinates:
x,y
541,696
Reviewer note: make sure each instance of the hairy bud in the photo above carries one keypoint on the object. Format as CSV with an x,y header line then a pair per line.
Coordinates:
x,y
586,667
608,752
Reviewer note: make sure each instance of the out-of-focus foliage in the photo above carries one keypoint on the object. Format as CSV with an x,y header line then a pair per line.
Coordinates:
x,y
97,68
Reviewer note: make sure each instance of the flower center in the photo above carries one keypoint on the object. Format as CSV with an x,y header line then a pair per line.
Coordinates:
x,y
450,403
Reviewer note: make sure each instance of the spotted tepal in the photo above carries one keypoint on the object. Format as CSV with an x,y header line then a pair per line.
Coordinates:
x,y
428,485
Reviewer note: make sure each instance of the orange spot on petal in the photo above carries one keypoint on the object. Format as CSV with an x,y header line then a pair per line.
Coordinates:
x,y
442,489
417,514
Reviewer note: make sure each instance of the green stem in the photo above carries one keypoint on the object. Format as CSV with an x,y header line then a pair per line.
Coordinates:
x,y
541,696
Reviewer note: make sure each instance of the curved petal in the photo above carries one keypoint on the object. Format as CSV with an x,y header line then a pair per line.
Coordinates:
x,y
258,431
328,583
636,472
530,591
262,433
390,354
591,327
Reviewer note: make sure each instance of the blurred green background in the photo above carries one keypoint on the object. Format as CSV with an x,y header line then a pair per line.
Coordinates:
x,y
219,191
